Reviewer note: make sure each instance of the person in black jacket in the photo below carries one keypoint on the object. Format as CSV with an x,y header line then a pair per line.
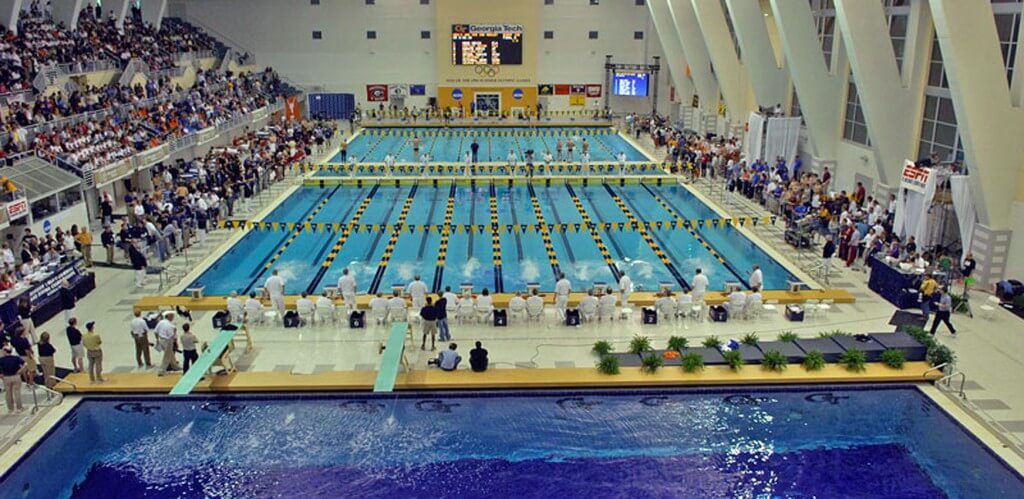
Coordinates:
x,y
478,358
107,238
68,299
138,263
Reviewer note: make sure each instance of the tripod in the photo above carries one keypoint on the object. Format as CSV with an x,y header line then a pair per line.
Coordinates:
x,y
821,270
964,306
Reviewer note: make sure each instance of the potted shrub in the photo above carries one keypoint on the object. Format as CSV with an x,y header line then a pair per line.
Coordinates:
x,y
815,361
692,362
608,364
734,359
651,363
774,360
787,336
712,342
940,354
893,357
854,360
750,339
602,348
639,344
833,333
677,343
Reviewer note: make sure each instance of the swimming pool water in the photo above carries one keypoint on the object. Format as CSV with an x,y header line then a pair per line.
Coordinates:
x,y
470,254
450,144
799,442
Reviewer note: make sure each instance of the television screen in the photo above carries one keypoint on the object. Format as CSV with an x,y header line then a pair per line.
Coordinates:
x,y
630,83
487,44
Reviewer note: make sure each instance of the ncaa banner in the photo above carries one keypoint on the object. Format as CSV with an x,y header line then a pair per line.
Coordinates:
x,y
593,91
398,91
913,177
377,93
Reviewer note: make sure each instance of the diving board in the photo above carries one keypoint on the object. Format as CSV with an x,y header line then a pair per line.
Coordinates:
x,y
394,354
205,361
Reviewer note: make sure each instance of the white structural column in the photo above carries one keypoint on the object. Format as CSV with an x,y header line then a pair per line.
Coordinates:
x,y
729,71
675,56
891,102
990,126
153,12
761,52
819,88
66,12
699,63
9,10
118,9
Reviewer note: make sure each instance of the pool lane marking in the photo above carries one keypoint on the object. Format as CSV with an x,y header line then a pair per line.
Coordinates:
x,y
601,248
647,238
696,235
383,227
652,226
558,223
396,232
260,267
602,223
499,285
295,231
545,235
346,230
326,246
373,147
515,223
446,232
430,216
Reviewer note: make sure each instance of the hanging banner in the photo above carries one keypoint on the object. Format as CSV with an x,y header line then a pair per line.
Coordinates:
x,y
398,91
577,89
561,89
593,91
577,100
17,209
545,89
376,93
291,108
417,90
913,177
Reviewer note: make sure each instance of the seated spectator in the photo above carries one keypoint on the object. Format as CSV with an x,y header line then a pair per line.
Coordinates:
x,y
448,360
478,358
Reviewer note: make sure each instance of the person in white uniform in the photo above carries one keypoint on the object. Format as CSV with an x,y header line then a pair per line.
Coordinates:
x,y
397,308
606,306
588,306
756,277
379,308
275,288
417,290
535,305
625,289
324,308
562,290
347,288
517,306
235,307
253,310
699,285
304,306
622,162
389,164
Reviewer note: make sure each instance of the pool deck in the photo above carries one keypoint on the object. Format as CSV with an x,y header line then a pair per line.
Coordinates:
x,y
497,379
637,299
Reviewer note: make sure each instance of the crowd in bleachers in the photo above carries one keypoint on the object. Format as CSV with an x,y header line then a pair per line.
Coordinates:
x,y
57,105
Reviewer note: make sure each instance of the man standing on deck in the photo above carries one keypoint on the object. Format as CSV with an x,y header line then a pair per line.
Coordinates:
x,y
547,161
585,159
417,290
166,337
512,160
625,289
558,148
700,284
756,277
622,162
347,288
389,164
475,149
275,288
562,290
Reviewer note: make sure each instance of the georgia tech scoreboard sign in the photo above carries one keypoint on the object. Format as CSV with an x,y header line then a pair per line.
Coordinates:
x,y
487,28
914,177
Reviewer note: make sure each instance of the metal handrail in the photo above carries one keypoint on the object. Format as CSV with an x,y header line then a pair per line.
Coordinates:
x,y
948,379
934,368
62,380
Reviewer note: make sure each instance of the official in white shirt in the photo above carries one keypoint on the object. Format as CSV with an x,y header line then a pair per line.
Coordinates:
x,y
562,290
756,277
166,336
324,308
140,333
625,289
699,286
347,288
517,305
417,290
235,307
253,310
304,306
379,308
275,288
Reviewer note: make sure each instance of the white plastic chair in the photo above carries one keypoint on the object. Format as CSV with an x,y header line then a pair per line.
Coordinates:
x,y
754,308
483,314
588,312
770,306
826,305
684,306
988,309
380,316
811,307
606,312
464,311
667,311
397,313
534,312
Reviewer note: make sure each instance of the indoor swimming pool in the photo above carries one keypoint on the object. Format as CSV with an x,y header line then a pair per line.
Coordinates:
x,y
821,441
499,237
449,145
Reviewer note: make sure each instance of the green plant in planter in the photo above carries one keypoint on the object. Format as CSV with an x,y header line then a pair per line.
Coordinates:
x,y
608,364
833,333
602,347
774,361
750,339
639,344
734,359
893,357
815,361
677,343
651,362
712,342
692,362
940,354
854,360
787,336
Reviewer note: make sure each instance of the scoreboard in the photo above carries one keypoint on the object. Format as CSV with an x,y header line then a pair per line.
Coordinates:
x,y
630,83
487,44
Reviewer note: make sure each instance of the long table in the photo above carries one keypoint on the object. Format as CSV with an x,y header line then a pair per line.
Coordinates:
x,y
44,295
897,287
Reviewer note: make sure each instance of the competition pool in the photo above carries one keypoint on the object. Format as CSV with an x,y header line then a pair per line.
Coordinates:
x,y
798,442
449,145
499,237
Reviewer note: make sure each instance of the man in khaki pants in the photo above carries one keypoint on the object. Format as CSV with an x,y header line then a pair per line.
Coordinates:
x,y
166,337
94,352
12,367
140,334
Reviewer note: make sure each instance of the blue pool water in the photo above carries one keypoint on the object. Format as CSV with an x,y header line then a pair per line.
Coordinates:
x,y
450,144
798,442
470,255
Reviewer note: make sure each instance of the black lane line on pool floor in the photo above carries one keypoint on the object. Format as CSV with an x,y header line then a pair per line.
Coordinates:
x,y
648,237
558,221
380,233
395,233
598,240
345,233
326,246
426,233
442,245
515,221
677,213
674,269
492,203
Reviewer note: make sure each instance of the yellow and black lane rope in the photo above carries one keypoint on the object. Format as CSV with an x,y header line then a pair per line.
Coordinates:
x,y
346,230
642,229
592,228
446,232
389,249
545,234
499,285
689,227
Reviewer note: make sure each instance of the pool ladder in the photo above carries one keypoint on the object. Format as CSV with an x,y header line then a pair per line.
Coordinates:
x,y
947,380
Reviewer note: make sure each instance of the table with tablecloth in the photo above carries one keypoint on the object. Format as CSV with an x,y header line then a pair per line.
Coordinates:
x,y
897,287
44,294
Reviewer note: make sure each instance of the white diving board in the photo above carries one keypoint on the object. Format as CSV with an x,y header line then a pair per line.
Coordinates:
x,y
205,361
394,356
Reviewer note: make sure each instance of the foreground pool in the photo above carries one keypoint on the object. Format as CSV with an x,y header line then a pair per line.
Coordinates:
x,y
807,442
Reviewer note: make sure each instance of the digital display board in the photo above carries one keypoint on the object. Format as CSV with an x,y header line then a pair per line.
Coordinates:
x,y
630,83
487,44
